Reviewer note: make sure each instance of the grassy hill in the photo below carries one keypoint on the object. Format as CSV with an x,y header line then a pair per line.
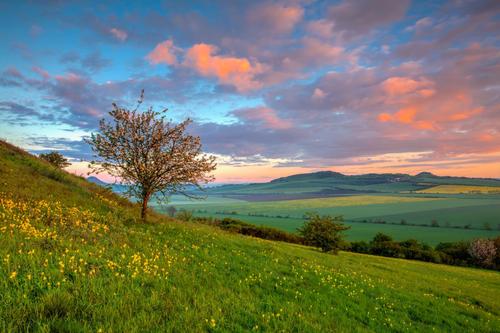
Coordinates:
x,y
74,257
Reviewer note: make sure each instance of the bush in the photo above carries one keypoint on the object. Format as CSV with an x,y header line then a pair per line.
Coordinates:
x,y
359,247
455,253
240,227
184,215
324,232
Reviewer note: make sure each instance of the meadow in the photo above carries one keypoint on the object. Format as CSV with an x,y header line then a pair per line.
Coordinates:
x,y
75,257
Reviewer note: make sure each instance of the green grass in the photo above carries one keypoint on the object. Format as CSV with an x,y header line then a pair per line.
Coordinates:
x,y
61,270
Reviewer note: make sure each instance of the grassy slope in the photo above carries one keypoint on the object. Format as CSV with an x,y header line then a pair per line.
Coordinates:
x,y
169,276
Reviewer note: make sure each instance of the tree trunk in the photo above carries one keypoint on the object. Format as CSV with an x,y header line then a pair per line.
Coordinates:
x,y
144,210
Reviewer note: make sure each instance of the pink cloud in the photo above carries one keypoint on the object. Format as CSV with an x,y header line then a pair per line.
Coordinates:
x,y
318,94
119,34
321,28
264,115
276,18
70,78
41,72
163,53
238,72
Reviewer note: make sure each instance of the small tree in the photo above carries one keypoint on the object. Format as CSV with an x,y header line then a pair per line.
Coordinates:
x,y
324,232
153,155
171,211
56,159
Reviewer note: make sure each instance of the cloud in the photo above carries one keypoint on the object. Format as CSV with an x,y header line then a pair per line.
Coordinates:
x,y
15,113
265,116
321,28
238,72
402,86
43,73
119,34
163,53
358,17
275,18
94,62
420,25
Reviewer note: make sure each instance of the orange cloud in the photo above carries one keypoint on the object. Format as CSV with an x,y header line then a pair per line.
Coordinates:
x,y
384,117
163,53
466,114
238,72
405,115
399,86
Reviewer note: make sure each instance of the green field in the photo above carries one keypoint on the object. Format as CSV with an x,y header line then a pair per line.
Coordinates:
x,y
477,213
365,231
75,258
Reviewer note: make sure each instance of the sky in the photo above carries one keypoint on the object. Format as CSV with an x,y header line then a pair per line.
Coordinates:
x,y
274,88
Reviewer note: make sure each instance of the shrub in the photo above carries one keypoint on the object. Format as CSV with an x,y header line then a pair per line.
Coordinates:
x,y
324,232
184,215
240,227
455,253
360,247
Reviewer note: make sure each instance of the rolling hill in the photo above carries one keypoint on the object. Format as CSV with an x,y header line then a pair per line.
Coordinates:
x,y
329,183
75,257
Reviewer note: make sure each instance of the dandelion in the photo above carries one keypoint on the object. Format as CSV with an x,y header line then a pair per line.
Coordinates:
x,y
13,275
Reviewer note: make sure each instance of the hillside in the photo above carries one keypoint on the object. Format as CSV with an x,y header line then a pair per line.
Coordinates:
x,y
76,258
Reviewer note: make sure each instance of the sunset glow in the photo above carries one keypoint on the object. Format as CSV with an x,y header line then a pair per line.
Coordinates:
x,y
274,87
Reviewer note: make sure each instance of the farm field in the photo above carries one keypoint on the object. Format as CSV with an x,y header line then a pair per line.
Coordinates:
x,y
457,189
75,258
365,231
447,212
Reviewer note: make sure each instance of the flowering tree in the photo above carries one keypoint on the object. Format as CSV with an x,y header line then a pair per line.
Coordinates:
x,y
483,251
150,154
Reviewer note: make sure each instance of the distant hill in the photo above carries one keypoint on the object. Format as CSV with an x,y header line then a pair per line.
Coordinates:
x,y
97,181
333,183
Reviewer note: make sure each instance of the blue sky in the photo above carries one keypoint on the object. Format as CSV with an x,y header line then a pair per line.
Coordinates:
x,y
274,87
